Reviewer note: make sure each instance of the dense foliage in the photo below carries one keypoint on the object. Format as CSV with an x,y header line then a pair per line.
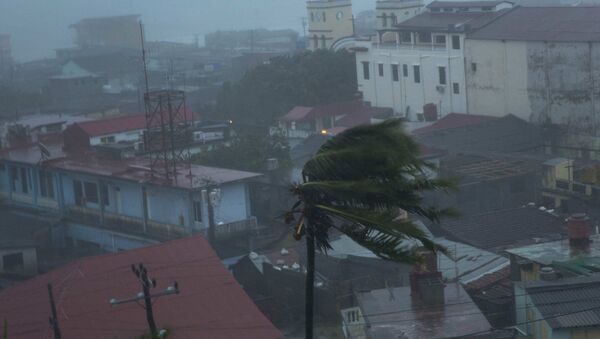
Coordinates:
x,y
246,152
303,79
15,101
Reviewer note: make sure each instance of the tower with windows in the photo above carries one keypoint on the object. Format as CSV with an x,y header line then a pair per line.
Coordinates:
x,y
328,22
392,12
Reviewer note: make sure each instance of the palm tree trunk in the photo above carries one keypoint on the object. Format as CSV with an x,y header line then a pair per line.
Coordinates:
x,y
310,284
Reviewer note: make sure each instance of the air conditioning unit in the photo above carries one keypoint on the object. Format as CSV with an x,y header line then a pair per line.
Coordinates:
x,y
440,88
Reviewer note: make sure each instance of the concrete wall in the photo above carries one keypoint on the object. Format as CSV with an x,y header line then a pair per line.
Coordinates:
x,y
405,95
538,81
337,23
30,266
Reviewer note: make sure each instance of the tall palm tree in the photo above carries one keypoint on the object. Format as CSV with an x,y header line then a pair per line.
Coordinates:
x,y
357,183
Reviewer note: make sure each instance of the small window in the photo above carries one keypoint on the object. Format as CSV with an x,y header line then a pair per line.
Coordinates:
x,y
405,37
198,211
456,88
104,195
440,39
435,10
474,66
315,41
455,42
417,73
46,184
405,70
13,262
425,37
91,192
365,66
384,19
24,178
380,70
78,192
395,75
108,140
312,17
323,42
324,17
394,19
487,8
442,75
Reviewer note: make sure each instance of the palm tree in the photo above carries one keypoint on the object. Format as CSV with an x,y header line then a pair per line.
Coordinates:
x,y
357,183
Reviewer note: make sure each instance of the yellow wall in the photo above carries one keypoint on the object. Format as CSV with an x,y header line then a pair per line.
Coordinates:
x,y
337,23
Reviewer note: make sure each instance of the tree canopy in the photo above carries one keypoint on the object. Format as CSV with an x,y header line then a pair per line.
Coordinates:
x,y
303,79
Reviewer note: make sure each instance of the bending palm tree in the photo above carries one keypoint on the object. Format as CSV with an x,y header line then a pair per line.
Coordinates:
x,y
357,183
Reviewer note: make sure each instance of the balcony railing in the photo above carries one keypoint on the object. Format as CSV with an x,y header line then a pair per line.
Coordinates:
x,y
404,47
236,228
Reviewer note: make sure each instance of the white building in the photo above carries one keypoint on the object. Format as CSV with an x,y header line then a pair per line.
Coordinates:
x,y
392,12
422,60
539,63
328,22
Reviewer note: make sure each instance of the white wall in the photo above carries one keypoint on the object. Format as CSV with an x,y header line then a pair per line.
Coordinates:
x,y
383,92
135,135
498,86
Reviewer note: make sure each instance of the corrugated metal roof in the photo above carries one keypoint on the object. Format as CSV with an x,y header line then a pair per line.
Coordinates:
x,y
211,303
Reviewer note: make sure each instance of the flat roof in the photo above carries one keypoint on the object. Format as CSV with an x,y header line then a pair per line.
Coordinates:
x,y
559,251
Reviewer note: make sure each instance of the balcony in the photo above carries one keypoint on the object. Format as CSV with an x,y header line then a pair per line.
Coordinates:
x,y
409,47
236,228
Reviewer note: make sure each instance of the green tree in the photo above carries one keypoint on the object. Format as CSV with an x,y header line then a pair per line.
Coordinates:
x,y
357,183
247,152
302,79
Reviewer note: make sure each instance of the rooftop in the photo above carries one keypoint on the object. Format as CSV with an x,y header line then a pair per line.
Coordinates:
x,y
393,313
453,120
476,168
560,251
109,20
552,24
458,4
119,124
354,110
577,298
444,22
509,228
211,304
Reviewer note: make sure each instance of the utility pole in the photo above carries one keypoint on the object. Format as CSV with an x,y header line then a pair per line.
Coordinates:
x,y
53,318
141,273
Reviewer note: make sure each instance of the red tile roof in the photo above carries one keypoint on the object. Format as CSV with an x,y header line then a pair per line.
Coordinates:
x,y
297,113
454,120
211,303
117,124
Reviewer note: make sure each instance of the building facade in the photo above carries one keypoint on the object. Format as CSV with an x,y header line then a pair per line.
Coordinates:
x,y
420,61
391,12
328,22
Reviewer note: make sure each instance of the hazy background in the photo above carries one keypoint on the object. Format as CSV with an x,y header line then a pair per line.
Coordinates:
x,y
38,27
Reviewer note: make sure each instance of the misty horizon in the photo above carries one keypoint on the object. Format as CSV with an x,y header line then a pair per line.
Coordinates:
x,y
38,27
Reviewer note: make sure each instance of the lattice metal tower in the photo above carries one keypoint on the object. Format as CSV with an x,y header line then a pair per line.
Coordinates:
x,y
167,133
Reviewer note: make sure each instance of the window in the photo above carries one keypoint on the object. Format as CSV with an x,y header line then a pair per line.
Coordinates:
x,y
474,66
405,37
91,192
104,195
455,42
315,41
487,8
456,88
440,40
442,75
425,37
394,19
323,42
108,140
365,66
78,192
46,184
384,19
312,17
324,17
405,70
380,70
24,179
395,75
198,211
13,262
417,73
435,10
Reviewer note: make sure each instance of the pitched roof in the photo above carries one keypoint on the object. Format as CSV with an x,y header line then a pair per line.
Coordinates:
x,y
211,303
577,298
334,109
498,230
557,24
444,22
297,113
454,120
118,124
455,4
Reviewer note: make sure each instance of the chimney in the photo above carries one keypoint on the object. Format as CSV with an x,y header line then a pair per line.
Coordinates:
x,y
547,273
426,281
579,230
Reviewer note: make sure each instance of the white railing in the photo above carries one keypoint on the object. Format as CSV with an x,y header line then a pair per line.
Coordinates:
x,y
411,47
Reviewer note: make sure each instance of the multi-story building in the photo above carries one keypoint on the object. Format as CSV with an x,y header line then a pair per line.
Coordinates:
x,y
116,31
328,22
421,61
119,202
391,12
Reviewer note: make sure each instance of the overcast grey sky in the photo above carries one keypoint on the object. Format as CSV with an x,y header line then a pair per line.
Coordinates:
x,y
39,26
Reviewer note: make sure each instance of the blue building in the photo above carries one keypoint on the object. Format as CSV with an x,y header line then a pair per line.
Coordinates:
x,y
117,202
